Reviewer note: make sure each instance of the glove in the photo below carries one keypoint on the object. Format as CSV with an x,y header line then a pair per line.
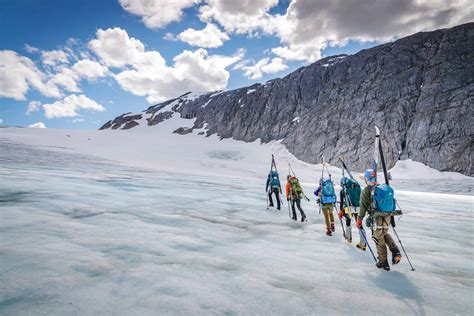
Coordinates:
x,y
288,199
359,223
340,214
319,201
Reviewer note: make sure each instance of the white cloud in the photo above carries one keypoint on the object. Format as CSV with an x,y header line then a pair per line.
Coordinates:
x,y
54,57
309,26
37,125
79,120
31,49
158,13
209,37
115,47
1,121
244,16
33,106
70,105
170,37
18,73
191,71
263,66
68,79
90,69
149,75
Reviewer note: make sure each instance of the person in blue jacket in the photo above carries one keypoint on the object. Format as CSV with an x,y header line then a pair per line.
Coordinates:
x,y
273,186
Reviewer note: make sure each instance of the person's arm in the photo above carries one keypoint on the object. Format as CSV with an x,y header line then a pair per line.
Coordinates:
x,y
317,191
364,202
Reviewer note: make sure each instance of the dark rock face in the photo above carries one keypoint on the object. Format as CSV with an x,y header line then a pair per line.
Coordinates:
x,y
183,130
418,90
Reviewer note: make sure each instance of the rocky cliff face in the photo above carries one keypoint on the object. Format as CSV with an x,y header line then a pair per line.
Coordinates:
x,y
418,90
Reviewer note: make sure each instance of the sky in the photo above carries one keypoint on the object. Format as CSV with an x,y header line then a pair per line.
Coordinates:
x,y
78,64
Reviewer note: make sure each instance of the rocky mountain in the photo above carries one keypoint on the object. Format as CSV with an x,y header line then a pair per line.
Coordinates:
x,y
418,90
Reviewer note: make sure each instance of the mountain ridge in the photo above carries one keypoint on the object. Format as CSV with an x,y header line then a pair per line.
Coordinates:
x,y
418,90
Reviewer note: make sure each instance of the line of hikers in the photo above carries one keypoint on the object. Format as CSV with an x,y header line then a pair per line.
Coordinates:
x,y
354,203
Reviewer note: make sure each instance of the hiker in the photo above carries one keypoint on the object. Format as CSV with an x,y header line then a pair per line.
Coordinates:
x,y
349,208
327,207
379,222
294,192
273,182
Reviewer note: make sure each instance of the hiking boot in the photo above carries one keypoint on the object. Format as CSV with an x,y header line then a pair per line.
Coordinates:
x,y
363,248
294,217
333,228
328,232
383,265
271,205
303,219
396,257
278,208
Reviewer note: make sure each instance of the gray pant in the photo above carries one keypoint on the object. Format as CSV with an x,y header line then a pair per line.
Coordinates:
x,y
298,204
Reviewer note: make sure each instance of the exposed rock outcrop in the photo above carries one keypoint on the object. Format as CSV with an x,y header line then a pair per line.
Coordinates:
x,y
418,90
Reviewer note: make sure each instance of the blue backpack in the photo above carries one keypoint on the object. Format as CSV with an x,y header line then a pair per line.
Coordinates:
x,y
328,196
384,198
274,180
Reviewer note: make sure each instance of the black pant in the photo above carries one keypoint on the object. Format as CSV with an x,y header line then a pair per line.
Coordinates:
x,y
298,204
276,191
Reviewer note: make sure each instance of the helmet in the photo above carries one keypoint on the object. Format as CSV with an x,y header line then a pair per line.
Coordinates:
x,y
370,177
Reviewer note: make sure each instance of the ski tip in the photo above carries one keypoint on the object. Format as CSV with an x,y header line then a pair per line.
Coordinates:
x,y
377,131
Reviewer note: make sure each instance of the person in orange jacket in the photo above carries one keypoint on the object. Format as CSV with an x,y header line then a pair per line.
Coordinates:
x,y
294,192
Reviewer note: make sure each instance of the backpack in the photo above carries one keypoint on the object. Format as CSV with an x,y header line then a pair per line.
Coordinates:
x,y
274,180
295,187
384,198
328,196
353,190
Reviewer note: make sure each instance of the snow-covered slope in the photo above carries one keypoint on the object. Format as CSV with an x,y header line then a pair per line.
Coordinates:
x,y
150,222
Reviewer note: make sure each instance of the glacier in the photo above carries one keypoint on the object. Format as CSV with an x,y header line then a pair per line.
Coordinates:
x,y
135,222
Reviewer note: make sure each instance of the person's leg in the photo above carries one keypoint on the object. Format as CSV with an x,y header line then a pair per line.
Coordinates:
x,y
396,256
362,236
270,200
326,218
331,217
293,209
379,233
277,197
348,228
298,203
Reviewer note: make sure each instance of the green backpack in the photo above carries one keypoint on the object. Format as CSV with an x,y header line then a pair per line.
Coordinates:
x,y
295,187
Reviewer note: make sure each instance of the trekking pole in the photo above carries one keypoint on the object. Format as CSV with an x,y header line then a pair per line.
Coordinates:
x,y
403,248
268,205
342,225
367,243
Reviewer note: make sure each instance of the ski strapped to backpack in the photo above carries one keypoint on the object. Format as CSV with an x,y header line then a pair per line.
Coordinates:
x,y
295,185
350,188
328,194
274,180
383,194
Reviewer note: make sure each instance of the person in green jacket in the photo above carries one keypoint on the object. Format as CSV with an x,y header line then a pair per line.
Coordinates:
x,y
379,223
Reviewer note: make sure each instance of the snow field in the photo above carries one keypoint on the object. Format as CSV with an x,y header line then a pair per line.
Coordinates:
x,y
83,235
